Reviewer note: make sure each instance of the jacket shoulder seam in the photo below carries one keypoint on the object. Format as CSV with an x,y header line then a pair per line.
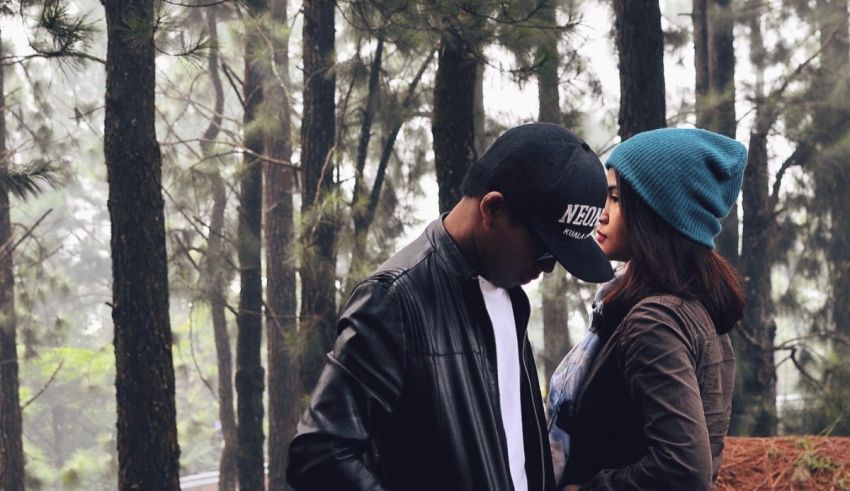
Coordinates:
x,y
388,278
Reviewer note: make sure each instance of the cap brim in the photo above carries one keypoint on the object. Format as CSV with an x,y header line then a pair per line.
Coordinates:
x,y
582,258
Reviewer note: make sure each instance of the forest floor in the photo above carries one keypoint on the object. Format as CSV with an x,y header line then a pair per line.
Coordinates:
x,y
799,462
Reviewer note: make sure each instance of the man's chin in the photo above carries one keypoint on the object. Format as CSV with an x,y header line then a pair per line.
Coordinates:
x,y
529,278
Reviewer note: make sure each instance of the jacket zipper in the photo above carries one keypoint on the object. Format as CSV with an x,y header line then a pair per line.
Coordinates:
x,y
536,416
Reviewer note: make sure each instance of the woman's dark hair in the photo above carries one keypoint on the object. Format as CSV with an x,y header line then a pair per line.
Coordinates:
x,y
665,261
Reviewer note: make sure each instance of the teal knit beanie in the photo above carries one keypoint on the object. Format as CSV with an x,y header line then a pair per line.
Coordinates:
x,y
690,177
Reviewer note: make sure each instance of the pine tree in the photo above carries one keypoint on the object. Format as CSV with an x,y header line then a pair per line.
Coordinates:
x,y
148,452
318,130
216,270
714,60
555,286
453,123
11,445
250,377
640,46
279,182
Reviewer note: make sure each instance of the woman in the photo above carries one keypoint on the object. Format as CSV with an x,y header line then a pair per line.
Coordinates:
x,y
644,401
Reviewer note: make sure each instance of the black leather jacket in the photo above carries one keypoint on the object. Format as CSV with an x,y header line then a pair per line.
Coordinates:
x,y
408,399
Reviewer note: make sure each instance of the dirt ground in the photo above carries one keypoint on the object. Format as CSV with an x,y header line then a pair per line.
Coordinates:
x,y
802,462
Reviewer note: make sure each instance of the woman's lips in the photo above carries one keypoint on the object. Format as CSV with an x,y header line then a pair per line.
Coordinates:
x,y
600,237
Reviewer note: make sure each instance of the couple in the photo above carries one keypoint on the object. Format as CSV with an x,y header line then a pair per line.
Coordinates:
x,y
431,383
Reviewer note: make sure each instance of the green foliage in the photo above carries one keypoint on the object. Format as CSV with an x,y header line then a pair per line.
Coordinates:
x,y
69,390
197,401
58,33
29,182
810,462
827,406
62,272
176,35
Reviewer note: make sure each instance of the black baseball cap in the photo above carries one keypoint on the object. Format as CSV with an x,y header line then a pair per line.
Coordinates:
x,y
555,184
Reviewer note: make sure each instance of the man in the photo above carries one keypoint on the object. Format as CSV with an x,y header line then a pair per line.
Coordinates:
x,y
431,384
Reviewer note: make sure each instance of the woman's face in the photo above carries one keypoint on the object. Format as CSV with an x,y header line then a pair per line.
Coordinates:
x,y
611,232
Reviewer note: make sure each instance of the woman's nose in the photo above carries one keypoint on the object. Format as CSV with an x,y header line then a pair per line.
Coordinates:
x,y
603,218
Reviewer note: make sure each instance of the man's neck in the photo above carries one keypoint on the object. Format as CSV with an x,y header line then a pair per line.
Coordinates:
x,y
460,225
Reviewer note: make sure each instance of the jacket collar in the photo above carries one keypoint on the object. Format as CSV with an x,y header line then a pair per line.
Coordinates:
x,y
451,255
448,250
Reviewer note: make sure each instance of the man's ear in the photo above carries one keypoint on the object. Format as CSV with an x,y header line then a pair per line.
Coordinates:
x,y
491,206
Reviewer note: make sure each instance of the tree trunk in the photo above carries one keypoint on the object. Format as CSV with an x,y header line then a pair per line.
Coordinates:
x,y
832,124
360,197
640,44
702,54
556,334
217,274
366,124
757,416
453,122
722,66
148,453
217,295
555,285
480,116
11,445
547,60
318,263
279,179
714,60
250,377
754,405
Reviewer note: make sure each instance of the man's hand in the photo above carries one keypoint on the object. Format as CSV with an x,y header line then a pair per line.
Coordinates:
x,y
571,487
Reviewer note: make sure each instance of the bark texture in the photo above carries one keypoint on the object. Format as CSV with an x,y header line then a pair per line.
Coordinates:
x,y
714,60
555,285
284,390
754,403
11,445
453,123
318,127
250,377
148,452
832,125
217,273
640,45
756,333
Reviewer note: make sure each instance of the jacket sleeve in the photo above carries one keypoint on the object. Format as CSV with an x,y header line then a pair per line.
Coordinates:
x,y
659,365
361,380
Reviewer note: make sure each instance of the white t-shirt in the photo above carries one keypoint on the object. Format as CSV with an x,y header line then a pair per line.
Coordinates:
x,y
501,313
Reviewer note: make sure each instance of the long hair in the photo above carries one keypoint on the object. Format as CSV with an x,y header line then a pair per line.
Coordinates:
x,y
665,261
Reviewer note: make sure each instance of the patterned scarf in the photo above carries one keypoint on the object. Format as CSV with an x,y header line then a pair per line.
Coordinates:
x,y
566,381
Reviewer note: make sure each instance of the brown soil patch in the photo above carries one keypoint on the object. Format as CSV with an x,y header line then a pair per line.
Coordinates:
x,y
804,462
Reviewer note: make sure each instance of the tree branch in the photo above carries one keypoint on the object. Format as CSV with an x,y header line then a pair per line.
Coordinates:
x,y
44,387
194,359
798,158
228,72
6,249
368,116
803,371
211,4
390,143
776,94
